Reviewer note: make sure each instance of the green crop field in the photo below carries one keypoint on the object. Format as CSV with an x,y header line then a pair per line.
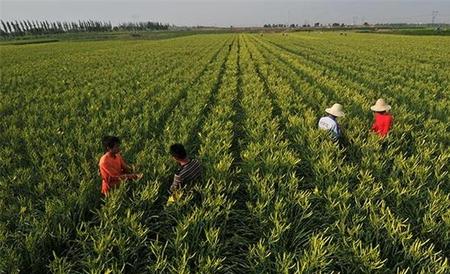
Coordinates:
x,y
278,195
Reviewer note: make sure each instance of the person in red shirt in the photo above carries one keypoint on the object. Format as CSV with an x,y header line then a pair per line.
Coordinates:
x,y
113,168
383,119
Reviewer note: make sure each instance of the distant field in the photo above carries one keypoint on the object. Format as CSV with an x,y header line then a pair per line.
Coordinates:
x,y
413,31
105,36
278,195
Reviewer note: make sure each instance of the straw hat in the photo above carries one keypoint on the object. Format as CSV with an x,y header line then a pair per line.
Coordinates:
x,y
380,105
335,110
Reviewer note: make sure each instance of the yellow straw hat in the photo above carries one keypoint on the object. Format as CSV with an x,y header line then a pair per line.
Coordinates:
x,y
335,110
380,105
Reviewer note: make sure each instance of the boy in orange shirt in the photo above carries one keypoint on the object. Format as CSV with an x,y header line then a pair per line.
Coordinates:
x,y
113,168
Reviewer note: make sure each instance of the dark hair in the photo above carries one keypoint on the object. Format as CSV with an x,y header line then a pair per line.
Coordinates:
x,y
109,142
178,151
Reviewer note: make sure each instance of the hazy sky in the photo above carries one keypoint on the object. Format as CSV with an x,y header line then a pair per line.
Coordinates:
x,y
226,13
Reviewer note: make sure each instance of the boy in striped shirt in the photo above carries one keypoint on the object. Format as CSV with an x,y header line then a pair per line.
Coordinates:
x,y
190,169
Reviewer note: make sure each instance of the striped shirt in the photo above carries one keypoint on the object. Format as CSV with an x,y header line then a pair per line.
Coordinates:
x,y
187,173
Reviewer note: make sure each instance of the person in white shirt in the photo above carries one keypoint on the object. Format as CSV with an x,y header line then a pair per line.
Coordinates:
x,y
329,122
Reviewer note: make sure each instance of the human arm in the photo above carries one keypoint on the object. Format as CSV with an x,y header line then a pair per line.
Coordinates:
x,y
335,131
374,127
126,169
106,175
131,176
176,183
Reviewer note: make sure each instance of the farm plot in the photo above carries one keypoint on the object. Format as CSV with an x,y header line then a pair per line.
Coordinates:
x,y
277,195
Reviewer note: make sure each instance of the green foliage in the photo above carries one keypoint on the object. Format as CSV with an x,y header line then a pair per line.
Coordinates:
x,y
277,195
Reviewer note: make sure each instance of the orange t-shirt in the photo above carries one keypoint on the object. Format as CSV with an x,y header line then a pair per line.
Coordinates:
x,y
110,167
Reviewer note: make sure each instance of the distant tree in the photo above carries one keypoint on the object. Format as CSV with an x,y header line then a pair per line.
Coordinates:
x,y
66,26
5,27
43,25
316,25
10,28
54,27
29,26
23,27
366,24
17,27
46,26
32,27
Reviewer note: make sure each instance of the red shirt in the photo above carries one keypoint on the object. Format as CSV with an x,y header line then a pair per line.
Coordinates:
x,y
110,167
382,124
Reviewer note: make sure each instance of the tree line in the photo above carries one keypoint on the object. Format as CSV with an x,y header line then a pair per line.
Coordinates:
x,y
33,27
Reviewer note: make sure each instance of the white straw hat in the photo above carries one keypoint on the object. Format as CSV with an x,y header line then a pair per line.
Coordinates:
x,y
335,110
380,105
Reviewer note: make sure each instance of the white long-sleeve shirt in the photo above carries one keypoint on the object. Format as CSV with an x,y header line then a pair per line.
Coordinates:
x,y
328,123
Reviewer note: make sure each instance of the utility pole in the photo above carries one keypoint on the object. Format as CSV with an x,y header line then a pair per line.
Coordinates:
x,y
434,15
288,20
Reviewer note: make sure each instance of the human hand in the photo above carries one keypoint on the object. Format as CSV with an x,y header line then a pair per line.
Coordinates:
x,y
173,188
138,176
